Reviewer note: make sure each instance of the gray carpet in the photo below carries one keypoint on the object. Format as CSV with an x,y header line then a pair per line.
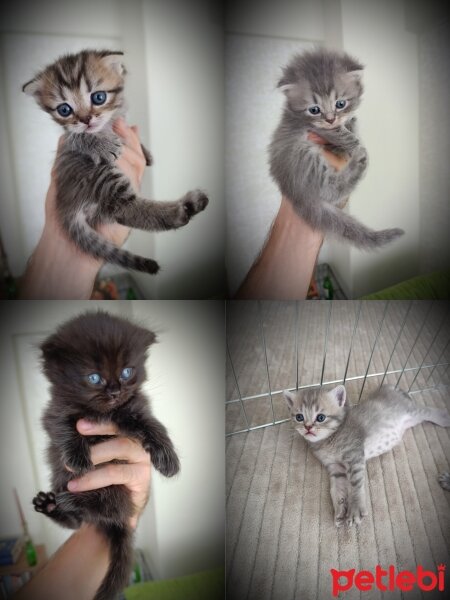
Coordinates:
x,y
281,540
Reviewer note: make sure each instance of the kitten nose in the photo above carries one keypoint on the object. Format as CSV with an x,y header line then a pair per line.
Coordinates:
x,y
86,120
330,119
308,427
113,392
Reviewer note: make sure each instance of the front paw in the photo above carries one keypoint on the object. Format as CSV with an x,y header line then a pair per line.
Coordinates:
x,y
360,157
191,204
340,512
355,512
44,502
164,459
78,464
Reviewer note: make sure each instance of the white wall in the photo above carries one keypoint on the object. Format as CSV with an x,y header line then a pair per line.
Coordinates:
x,y
388,196
173,53
182,528
260,36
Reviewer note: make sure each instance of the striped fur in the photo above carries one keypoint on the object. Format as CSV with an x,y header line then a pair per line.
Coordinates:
x,y
320,78
91,191
348,437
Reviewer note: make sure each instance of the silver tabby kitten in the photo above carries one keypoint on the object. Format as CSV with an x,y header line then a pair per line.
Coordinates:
x,y
323,89
84,93
344,438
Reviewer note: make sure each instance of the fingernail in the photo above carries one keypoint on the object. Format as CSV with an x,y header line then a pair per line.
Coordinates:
x,y
72,485
85,425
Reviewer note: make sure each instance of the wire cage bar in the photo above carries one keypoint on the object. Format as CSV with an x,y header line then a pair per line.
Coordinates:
x,y
273,346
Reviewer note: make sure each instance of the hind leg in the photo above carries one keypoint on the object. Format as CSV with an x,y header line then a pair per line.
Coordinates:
x,y
46,503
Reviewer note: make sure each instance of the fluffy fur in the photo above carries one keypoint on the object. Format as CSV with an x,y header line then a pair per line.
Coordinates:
x,y
91,190
344,438
322,81
100,344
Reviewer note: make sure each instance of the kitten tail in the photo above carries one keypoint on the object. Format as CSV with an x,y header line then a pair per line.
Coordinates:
x,y
120,561
92,243
334,220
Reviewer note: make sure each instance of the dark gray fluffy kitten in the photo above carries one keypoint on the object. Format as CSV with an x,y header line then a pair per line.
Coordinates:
x,y
323,89
96,366
84,94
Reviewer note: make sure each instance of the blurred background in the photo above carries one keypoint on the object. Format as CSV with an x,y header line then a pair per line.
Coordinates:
x,y
181,531
403,122
174,57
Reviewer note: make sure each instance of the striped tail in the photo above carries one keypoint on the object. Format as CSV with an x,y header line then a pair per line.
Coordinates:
x,y
92,243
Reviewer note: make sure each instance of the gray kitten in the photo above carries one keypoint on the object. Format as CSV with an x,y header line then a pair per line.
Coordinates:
x,y
84,94
323,89
344,438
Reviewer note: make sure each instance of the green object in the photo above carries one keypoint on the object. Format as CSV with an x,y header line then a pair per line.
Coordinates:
x,y
435,286
328,287
136,575
207,585
131,294
30,553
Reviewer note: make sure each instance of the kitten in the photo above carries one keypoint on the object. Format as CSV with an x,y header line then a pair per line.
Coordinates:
x,y
96,367
344,438
323,89
84,94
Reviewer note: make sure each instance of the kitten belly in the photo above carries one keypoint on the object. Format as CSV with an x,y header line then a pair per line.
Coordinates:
x,y
384,439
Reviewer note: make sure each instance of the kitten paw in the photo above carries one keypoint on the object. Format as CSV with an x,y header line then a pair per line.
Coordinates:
x,y
164,459
360,157
355,514
191,204
147,155
79,464
44,502
444,481
340,513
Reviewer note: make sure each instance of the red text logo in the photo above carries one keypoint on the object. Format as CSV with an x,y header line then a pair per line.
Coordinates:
x,y
388,579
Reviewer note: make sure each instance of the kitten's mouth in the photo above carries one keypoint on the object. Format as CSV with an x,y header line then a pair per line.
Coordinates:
x,y
310,433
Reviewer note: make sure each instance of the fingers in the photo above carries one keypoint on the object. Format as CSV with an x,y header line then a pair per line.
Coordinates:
x,y
86,427
131,476
130,135
120,448
313,137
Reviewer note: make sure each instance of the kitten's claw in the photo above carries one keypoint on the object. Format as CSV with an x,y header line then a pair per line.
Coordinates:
x,y
165,460
355,514
44,502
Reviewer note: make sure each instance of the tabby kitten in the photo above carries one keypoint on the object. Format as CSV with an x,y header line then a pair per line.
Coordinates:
x,y
84,94
96,367
323,89
344,438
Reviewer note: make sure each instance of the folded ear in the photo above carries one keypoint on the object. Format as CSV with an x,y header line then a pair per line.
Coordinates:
x,y
114,60
289,397
32,88
339,394
356,75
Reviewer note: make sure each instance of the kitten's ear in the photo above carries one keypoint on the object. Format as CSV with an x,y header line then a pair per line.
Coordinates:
x,y
289,397
355,75
114,60
147,338
339,394
33,87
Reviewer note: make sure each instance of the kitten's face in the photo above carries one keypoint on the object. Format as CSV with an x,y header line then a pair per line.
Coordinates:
x,y
82,92
316,414
323,86
98,360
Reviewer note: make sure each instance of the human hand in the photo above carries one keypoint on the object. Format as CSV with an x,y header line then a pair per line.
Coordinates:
x,y
135,474
338,162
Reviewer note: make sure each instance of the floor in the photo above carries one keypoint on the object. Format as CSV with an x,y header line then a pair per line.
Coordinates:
x,y
281,540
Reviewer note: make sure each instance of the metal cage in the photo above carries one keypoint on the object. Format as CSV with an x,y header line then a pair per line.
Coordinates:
x,y
272,346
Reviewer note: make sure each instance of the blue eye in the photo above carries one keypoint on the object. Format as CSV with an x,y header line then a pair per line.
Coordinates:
x,y
341,103
126,373
98,98
64,110
314,110
320,418
299,417
94,378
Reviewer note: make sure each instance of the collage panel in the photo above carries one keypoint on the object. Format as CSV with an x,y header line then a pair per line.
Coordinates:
x,y
147,379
